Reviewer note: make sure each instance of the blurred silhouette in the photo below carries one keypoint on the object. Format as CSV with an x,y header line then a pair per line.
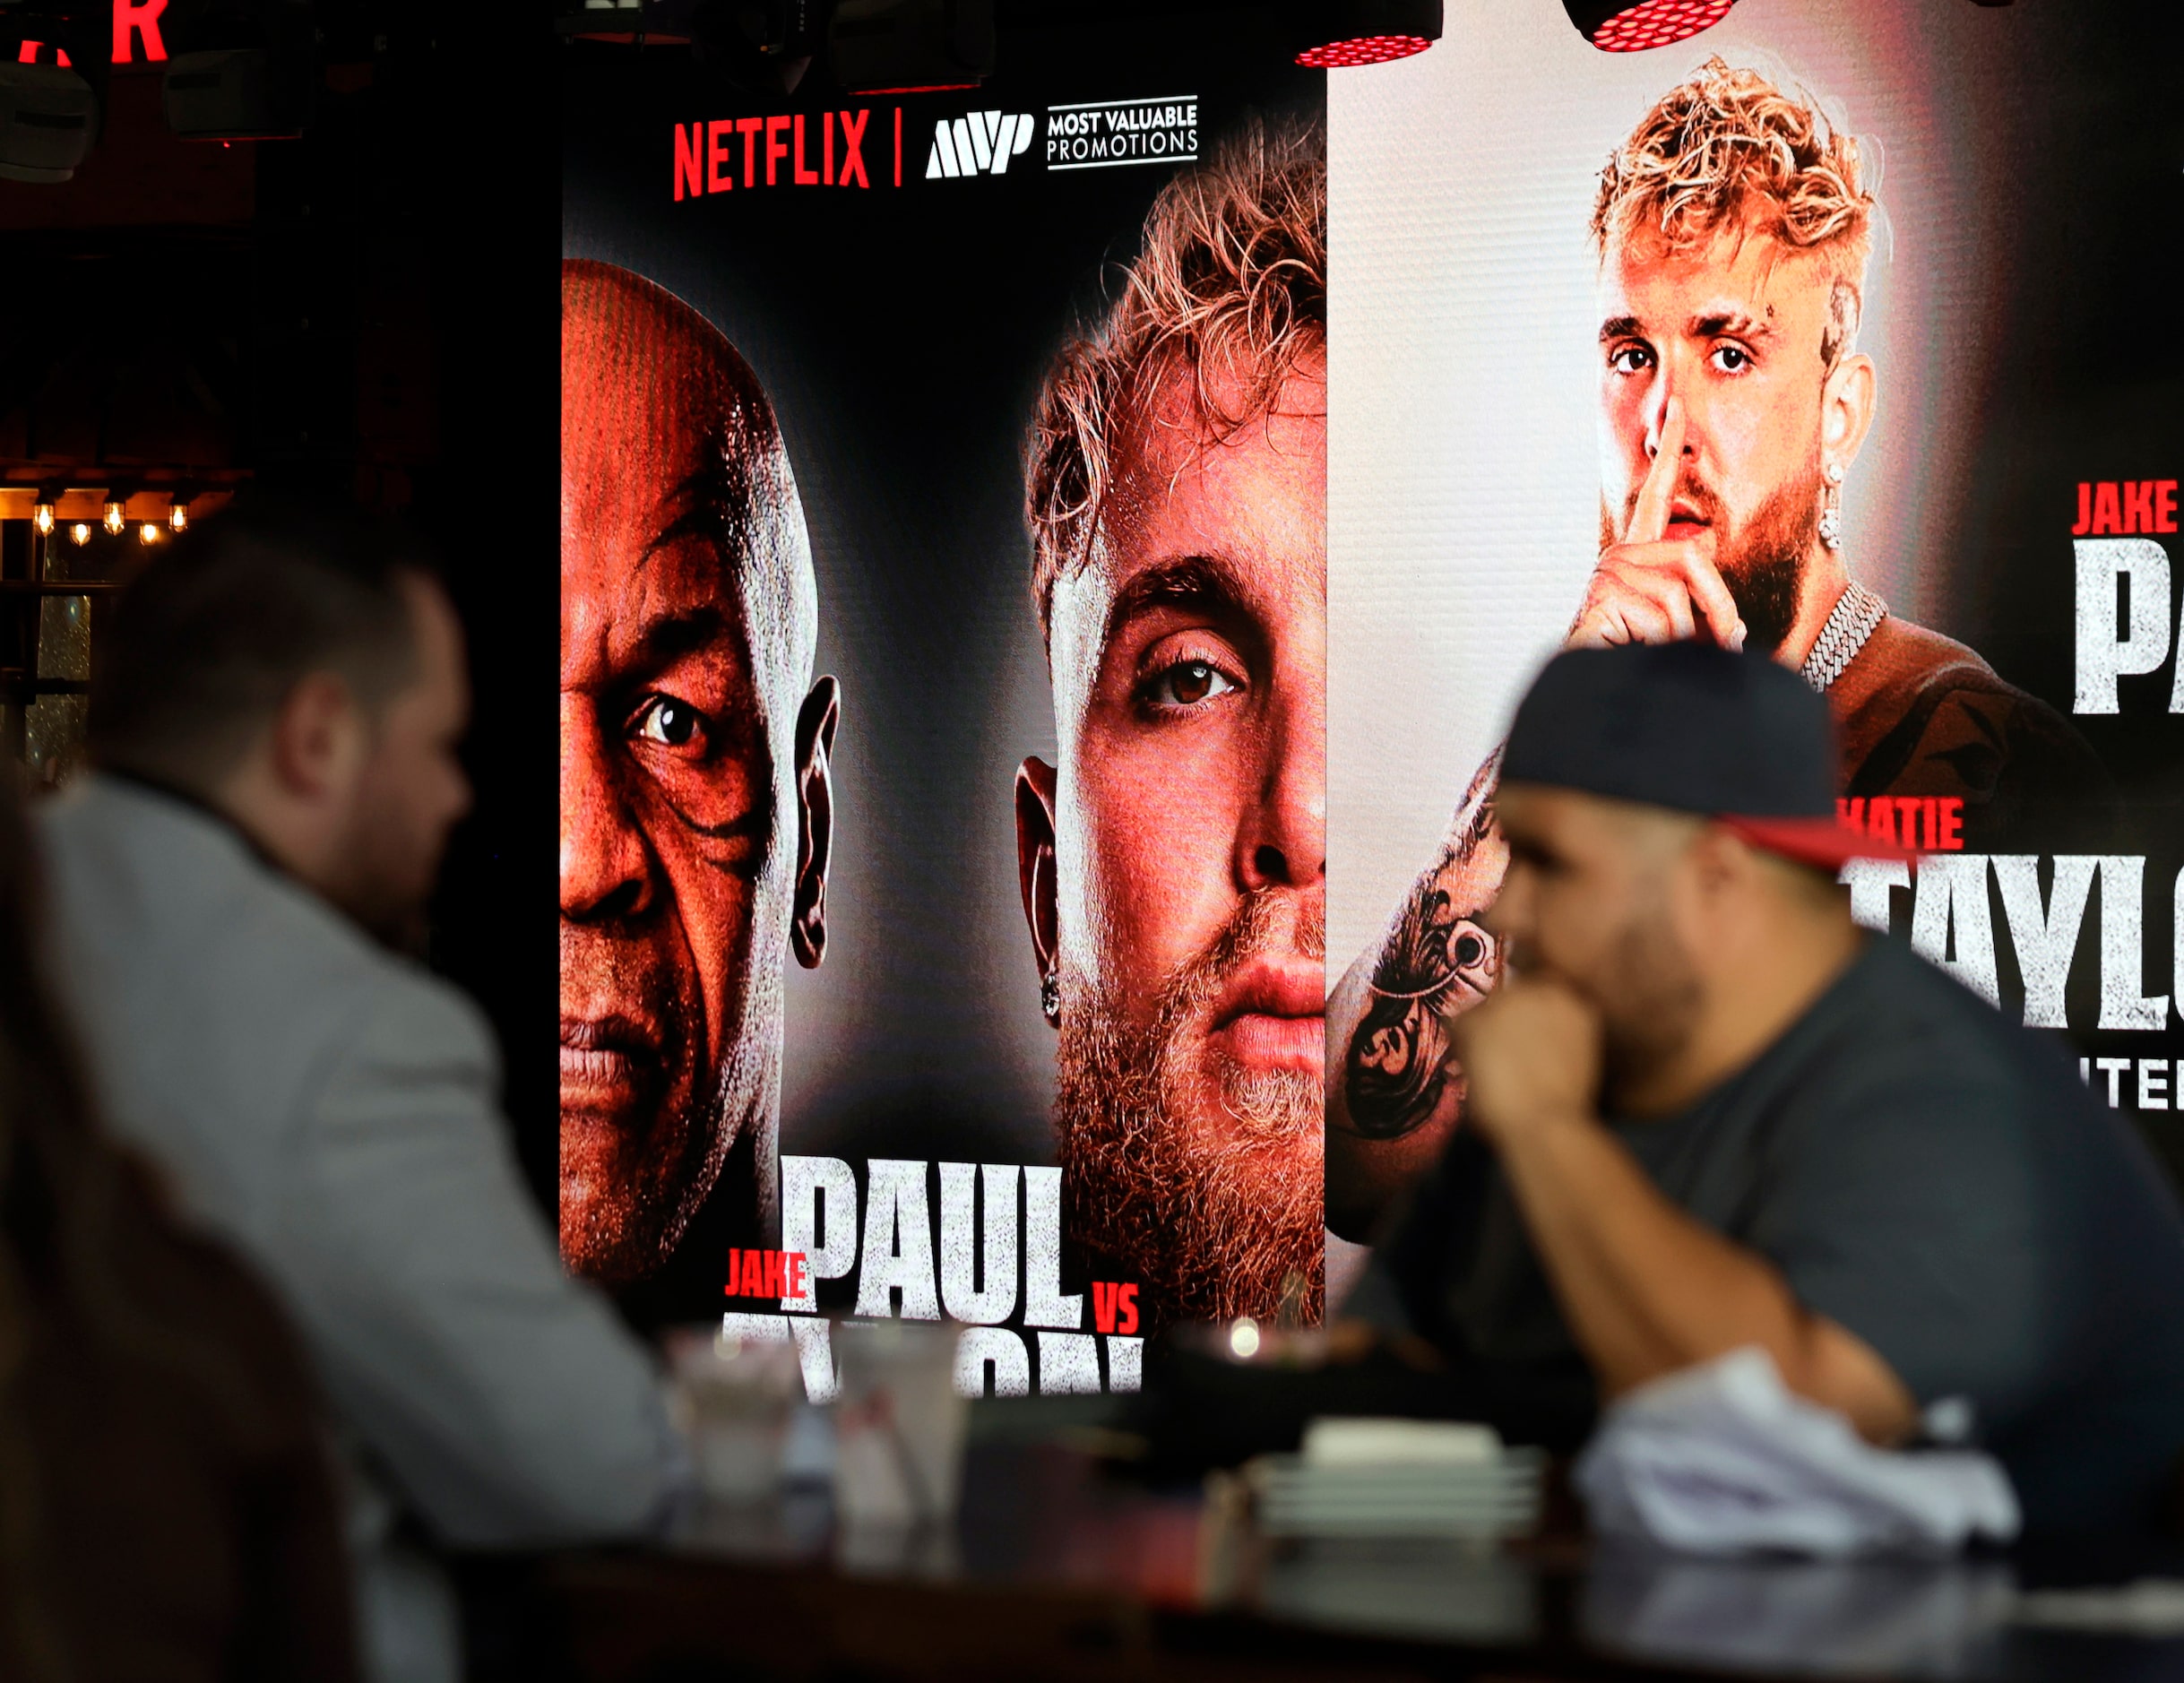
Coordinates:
x,y
167,1502
275,708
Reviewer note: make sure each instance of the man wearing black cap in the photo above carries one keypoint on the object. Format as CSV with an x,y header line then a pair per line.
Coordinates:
x,y
1704,1111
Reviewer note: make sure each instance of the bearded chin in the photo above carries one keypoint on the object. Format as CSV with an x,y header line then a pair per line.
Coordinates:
x,y
1766,573
1200,1179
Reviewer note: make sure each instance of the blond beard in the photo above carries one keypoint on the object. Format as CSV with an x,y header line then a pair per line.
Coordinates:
x,y
1205,1184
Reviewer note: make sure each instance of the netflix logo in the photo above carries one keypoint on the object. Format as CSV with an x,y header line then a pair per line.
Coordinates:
x,y
815,149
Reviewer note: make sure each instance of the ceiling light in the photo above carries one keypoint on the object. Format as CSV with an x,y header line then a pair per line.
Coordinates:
x,y
1618,26
79,533
1350,32
179,512
41,515
117,515
150,533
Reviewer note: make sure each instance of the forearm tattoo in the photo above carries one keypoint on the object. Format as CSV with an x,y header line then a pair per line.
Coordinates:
x,y
1438,961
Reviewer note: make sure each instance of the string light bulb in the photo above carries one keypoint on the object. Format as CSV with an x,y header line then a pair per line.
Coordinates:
x,y
116,517
79,533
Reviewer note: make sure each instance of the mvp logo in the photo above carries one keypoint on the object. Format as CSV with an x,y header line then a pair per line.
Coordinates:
x,y
981,143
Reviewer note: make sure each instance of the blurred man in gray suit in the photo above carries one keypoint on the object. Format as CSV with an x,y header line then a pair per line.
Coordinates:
x,y
274,723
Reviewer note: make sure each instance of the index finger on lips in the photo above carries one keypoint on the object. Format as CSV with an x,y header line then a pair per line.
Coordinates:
x,y
1649,516
1711,593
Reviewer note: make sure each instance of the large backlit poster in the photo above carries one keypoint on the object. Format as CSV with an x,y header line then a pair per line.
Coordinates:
x,y
1046,568
942,701
1884,279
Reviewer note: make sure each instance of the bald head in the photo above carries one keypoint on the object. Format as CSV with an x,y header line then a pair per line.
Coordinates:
x,y
694,811
655,402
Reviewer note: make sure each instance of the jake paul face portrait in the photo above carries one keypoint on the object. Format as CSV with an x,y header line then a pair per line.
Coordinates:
x,y
695,805
1172,860
1734,228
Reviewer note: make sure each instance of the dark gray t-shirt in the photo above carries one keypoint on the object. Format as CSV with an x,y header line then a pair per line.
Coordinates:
x,y
1922,1173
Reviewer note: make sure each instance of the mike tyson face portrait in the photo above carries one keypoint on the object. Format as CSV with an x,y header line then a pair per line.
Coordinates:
x,y
695,805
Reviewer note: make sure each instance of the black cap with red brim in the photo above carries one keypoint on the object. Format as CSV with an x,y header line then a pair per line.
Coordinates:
x,y
1825,844
1728,735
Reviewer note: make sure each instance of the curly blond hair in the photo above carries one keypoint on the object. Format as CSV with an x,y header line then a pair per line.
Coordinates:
x,y
1230,284
1730,150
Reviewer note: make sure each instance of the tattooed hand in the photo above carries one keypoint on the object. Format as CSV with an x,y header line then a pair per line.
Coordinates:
x,y
1437,963
1394,1089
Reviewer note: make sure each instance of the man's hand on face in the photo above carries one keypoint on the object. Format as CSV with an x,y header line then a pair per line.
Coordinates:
x,y
1532,1053
1651,588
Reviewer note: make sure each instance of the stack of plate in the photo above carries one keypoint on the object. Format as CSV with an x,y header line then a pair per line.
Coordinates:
x,y
1358,1478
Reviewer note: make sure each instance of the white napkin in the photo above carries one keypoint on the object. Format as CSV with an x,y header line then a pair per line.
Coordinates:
x,y
1722,1460
1366,1441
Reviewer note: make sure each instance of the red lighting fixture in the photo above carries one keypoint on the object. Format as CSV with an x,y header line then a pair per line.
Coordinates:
x,y
1352,32
1366,50
1616,26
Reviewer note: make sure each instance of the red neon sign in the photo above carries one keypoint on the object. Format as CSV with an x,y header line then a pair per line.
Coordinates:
x,y
140,18
134,22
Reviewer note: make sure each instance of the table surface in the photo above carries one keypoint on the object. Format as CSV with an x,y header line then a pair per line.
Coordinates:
x,y
1055,1567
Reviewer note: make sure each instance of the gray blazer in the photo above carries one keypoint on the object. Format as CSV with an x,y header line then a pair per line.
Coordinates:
x,y
332,1111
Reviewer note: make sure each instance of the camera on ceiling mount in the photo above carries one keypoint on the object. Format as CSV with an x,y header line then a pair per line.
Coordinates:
x,y
55,56
240,69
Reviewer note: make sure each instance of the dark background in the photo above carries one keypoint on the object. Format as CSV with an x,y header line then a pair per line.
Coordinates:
x,y
368,310
2091,382
2090,386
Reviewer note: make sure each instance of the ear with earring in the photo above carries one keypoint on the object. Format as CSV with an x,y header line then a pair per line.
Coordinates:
x,y
1831,508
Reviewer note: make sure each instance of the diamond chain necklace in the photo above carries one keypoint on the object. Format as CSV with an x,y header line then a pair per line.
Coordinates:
x,y
1856,612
